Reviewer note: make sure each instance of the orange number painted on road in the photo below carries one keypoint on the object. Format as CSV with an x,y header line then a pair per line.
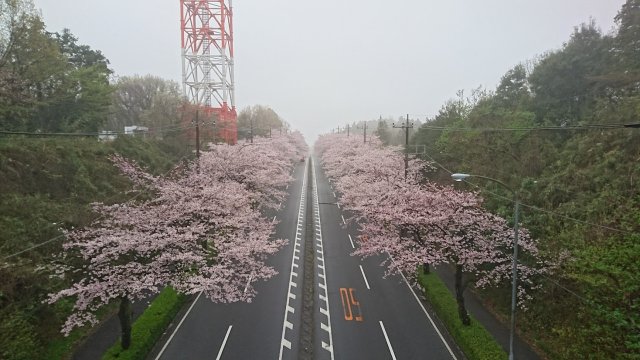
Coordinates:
x,y
349,304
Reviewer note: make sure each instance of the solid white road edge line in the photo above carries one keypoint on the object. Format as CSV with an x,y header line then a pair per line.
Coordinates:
x,y
384,332
365,277
224,342
428,316
178,327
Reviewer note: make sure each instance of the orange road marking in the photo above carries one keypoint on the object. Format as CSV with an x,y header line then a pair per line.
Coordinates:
x,y
355,303
349,303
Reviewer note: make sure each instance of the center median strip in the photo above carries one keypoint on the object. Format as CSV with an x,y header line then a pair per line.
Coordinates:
x,y
322,276
291,303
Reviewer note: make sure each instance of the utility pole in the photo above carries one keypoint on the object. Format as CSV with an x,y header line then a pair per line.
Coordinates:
x,y
269,132
406,127
251,129
347,130
365,131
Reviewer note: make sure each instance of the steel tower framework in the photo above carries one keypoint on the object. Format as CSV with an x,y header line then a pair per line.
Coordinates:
x,y
207,61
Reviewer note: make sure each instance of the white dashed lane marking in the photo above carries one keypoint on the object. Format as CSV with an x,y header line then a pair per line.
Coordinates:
x,y
384,332
322,276
224,342
364,277
293,275
351,241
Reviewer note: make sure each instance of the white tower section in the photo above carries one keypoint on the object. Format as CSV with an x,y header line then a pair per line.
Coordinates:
x,y
207,60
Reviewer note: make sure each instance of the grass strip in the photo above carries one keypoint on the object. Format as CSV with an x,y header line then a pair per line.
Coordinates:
x,y
474,340
148,328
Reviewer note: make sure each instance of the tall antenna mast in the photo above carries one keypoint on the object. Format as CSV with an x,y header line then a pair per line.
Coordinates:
x,y
207,61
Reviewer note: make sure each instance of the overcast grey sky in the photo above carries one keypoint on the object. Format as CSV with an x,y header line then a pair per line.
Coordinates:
x,y
320,64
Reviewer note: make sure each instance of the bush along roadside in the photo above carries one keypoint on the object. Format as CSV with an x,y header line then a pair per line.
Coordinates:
x,y
474,340
149,327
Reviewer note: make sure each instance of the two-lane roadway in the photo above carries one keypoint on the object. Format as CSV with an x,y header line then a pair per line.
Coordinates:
x,y
352,311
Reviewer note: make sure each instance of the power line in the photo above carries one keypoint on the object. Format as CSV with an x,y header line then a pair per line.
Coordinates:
x,y
573,293
34,247
530,206
62,235
537,128
168,128
4,132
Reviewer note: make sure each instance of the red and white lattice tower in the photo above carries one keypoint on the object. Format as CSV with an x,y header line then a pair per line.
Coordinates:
x,y
207,61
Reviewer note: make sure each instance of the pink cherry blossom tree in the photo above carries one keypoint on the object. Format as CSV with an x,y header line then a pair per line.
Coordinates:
x,y
199,229
419,223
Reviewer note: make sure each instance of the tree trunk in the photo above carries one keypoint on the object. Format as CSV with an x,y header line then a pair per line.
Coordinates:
x,y
462,310
425,268
125,321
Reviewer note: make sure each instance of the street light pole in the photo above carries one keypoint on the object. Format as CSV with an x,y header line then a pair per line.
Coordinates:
x,y
514,261
514,273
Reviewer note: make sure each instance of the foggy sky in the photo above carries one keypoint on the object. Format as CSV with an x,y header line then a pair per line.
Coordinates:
x,y
320,64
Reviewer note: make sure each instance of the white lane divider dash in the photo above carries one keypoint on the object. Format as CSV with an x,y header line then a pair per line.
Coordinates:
x,y
344,222
351,241
224,342
248,283
286,343
384,332
364,277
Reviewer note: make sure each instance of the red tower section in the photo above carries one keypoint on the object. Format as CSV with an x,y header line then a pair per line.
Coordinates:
x,y
207,62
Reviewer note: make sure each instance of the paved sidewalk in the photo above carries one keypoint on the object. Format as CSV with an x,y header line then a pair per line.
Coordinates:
x,y
96,344
499,331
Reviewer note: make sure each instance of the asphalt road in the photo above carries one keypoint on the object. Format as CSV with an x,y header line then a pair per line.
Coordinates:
x,y
243,330
373,317
351,311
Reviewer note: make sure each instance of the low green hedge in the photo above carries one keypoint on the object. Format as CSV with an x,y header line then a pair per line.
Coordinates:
x,y
474,340
148,328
